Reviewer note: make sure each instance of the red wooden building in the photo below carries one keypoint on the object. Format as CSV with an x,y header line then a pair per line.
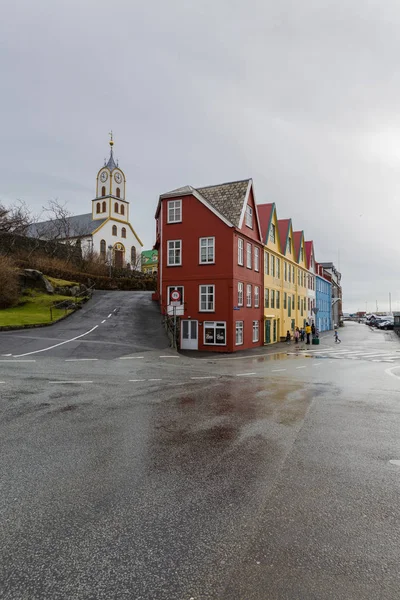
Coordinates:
x,y
211,265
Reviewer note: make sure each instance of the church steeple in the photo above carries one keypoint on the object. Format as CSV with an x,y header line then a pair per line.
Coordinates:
x,y
111,162
110,200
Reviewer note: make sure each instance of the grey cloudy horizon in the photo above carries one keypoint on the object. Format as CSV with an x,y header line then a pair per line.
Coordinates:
x,y
300,96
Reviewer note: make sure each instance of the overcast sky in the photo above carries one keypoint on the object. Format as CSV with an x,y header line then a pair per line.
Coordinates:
x,y
301,95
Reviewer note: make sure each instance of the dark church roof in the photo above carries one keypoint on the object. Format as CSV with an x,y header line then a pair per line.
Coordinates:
x,y
70,227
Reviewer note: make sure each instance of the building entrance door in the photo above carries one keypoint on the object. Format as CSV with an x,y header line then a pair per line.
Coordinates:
x,y
189,335
267,331
118,259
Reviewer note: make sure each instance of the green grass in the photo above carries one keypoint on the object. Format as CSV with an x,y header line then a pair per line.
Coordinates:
x,y
33,309
61,282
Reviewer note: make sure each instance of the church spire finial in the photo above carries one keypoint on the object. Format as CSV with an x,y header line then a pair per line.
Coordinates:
x,y
111,162
111,142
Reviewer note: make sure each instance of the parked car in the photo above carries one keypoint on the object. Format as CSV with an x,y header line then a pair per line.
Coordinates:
x,y
386,325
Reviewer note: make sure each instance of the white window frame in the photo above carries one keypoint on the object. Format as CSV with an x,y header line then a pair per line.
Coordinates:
x,y
207,285
239,329
256,296
171,288
278,267
248,295
248,255
256,258
272,233
174,264
272,265
249,217
256,331
266,262
214,325
174,207
241,251
240,293
207,239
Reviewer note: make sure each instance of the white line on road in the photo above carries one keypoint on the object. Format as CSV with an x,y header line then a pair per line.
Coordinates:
x,y
135,380
2,381
129,357
60,344
18,361
244,374
204,377
104,320
317,364
390,370
78,382
300,367
155,379
168,356
277,370
6,354
110,315
79,359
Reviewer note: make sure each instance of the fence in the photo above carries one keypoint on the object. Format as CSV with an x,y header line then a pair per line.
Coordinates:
x,y
172,327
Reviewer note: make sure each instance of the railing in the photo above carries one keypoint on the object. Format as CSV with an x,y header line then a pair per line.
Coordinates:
x,y
172,327
74,300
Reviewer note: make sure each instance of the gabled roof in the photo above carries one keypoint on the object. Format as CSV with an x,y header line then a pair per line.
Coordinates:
x,y
149,256
309,252
225,200
265,212
283,228
70,227
298,237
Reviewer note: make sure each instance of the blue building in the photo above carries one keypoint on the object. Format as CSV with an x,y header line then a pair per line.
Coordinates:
x,y
323,301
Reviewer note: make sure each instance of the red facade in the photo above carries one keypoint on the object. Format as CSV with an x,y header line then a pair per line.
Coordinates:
x,y
199,257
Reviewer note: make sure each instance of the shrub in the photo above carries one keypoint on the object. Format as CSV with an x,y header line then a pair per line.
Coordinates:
x,y
9,287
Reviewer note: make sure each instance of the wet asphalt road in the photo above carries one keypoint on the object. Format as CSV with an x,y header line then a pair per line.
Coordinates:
x,y
153,475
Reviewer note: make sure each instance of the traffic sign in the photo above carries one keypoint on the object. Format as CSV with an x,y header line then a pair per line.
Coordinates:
x,y
175,295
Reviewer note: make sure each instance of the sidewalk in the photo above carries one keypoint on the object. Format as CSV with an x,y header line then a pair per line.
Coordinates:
x,y
277,348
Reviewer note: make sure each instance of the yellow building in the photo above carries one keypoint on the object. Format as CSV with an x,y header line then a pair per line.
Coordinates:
x,y
285,276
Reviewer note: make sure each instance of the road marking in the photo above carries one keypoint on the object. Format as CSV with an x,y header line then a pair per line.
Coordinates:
x,y
204,377
317,364
60,344
390,370
277,370
115,309
79,359
2,381
18,361
168,356
155,379
244,374
395,462
300,367
134,380
104,321
110,315
6,354
71,382
129,357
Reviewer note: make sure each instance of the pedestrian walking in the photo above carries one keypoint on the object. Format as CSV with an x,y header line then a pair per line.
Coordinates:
x,y
308,333
288,337
296,335
313,329
302,334
337,340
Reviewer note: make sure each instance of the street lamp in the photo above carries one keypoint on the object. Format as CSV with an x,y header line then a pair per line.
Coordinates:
x,y
110,259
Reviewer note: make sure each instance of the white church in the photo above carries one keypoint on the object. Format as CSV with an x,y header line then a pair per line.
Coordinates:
x,y
106,230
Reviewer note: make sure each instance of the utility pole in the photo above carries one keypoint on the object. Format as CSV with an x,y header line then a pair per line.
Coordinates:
x,y
390,303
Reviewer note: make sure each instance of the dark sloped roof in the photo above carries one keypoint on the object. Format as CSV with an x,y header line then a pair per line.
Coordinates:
x,y
75,226
227,198
111,162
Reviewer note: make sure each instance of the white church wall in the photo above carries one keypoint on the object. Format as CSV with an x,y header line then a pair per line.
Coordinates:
x,y
105,233
117,184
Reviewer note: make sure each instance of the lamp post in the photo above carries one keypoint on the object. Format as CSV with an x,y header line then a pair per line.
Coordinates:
x,y
110,259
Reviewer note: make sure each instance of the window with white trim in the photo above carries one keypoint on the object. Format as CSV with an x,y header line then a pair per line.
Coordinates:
x,y
266,298
249,216
240,251
272,234
256,331
172,288
278,268
207,298
285,270
174,214
266,262
289,244
256,296
272,298
248,294
272,265
239,333
214,333
277,299
256,258
248,261
207,250
174,252
240,293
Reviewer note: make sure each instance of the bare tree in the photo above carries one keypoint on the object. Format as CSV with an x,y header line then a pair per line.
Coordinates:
x,y
15,218
57,226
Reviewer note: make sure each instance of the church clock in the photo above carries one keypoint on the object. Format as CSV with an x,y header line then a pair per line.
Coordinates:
x,y
118,177
104,176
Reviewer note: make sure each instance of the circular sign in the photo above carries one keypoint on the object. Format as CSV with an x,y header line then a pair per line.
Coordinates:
x,y
175,295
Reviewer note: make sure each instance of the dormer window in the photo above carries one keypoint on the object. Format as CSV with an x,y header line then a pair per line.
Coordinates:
x,y
249,216
116,207
118,193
